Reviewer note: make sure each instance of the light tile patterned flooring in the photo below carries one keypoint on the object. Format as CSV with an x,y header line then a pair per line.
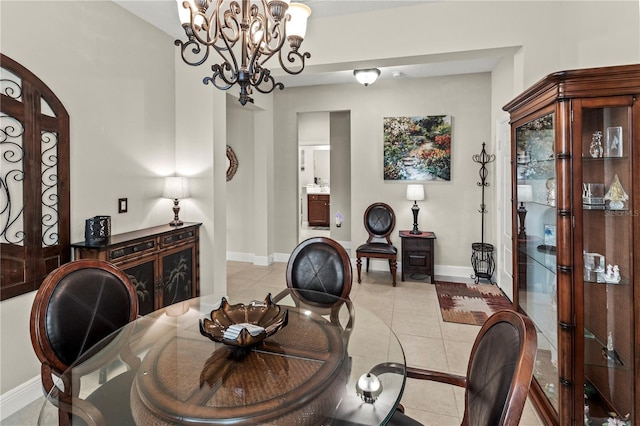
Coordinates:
x,y
410,309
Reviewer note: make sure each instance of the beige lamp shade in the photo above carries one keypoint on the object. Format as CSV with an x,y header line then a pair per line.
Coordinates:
x,y
297,26
176,187
415,192
525,193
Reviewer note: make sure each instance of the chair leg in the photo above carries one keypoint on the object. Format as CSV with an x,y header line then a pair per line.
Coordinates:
x,y
359,267
393,265
367,264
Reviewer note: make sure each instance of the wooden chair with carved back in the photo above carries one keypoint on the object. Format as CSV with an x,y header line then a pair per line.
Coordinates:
x,y
79,308
498,374
379,221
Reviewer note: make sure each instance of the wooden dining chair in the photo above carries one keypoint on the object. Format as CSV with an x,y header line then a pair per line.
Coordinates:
x,y
498,374
379,221
76,311
322,265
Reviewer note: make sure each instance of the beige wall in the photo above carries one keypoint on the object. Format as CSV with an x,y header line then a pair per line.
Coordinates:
x,y
240,203
449,208
340,131
119,93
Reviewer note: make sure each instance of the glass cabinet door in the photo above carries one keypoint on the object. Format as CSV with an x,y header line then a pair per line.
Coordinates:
x,y
607,257
536,242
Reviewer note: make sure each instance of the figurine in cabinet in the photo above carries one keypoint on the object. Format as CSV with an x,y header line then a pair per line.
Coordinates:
x,y
616,195
609,353
613,274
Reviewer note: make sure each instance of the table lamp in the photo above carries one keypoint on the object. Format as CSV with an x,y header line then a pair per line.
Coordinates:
x,y
525,194
176,188
415,193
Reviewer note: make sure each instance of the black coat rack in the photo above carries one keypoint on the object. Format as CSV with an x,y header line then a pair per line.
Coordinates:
x,y
482,253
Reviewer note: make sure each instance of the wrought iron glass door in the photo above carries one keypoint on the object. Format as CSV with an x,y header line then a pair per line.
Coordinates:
x,y
34,180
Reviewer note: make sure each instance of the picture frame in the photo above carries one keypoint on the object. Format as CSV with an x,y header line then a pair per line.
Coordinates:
x,y
417,148
613,142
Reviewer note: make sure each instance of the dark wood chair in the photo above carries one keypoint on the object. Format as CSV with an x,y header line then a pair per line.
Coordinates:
x,y
79,306
498,375
322,265
379,221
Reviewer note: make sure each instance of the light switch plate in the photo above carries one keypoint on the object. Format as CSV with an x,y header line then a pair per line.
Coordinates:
x,y
122,205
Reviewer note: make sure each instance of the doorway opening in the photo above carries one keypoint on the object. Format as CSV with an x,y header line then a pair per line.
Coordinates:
x,y
324,183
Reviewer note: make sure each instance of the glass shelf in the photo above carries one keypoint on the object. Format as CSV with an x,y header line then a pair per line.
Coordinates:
x,y
544,259
596,354
623,281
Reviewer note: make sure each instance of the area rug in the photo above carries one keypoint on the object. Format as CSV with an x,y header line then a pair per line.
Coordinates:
x,y
470,303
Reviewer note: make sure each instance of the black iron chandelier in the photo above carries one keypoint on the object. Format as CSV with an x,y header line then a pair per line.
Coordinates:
x,y
246,34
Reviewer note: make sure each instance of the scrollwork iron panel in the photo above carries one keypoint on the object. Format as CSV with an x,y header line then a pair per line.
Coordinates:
x,y
49,150
11,178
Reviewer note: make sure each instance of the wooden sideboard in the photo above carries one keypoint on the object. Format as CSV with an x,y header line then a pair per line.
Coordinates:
x,y
162,262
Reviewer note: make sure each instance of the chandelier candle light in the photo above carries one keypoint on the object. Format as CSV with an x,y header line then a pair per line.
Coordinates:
x,y
415,193
176,188
246,35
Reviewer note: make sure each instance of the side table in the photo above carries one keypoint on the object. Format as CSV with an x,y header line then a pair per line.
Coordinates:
x,y
417,253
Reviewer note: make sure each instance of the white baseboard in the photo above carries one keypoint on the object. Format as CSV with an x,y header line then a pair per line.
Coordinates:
x,y
446,272
250,258
19,397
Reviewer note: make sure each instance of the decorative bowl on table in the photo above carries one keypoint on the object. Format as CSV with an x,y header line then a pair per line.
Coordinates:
x,y
244,325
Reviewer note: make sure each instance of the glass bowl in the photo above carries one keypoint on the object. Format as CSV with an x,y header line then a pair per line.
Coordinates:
x,y
244,325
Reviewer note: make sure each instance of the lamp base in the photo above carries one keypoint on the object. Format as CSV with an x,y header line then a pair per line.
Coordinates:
x,y
522,214
415,209
176,208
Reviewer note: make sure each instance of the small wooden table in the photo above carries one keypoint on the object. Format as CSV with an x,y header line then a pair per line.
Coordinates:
x,y
417,253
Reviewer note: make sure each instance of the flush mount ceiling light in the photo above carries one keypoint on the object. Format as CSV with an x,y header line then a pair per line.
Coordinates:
x,y
245,34
368,76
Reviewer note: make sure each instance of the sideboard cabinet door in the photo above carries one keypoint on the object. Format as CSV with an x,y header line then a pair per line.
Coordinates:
x,y
142,274
178,275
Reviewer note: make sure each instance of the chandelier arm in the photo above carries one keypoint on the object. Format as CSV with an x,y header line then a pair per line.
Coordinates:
x,y
196,50
271,34
230,22
292,57
218,74
265,77
194,30
219,69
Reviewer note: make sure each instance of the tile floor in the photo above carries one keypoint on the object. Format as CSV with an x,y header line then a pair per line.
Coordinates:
x,y
410,309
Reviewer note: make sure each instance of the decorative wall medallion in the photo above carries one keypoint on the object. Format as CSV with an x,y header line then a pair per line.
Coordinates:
x,y
232,163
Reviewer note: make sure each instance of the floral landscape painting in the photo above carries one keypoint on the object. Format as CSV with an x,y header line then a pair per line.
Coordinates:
x,y
417,148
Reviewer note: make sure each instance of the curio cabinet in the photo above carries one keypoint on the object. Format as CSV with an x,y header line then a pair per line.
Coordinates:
x,y
576,226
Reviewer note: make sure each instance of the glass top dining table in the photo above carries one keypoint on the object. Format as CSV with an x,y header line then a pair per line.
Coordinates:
x,y
303,374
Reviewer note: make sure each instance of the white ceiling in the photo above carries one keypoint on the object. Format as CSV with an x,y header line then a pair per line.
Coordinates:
x,y
163,14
